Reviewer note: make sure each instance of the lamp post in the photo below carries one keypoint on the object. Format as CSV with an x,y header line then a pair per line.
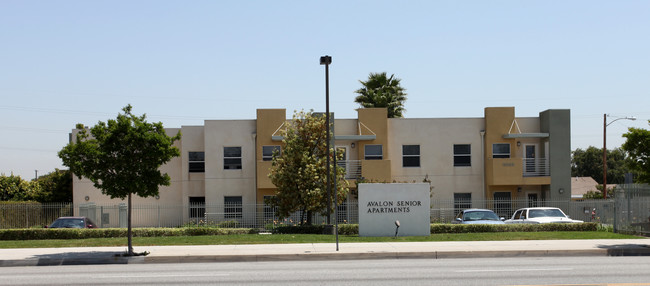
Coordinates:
x,y
327,60
605,124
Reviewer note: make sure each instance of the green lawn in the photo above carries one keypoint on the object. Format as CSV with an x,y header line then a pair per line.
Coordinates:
x,y
307,238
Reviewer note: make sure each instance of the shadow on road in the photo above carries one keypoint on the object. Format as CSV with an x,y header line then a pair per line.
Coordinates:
x,y
626,249
76,258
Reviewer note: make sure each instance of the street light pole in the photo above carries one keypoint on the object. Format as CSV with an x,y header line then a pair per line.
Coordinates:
x,y
327,60
605,124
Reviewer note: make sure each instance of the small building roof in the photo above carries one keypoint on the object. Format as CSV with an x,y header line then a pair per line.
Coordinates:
x,y
582,185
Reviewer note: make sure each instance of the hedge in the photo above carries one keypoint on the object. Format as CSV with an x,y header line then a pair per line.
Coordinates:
x,y
344,229
70,233
524,227
353,229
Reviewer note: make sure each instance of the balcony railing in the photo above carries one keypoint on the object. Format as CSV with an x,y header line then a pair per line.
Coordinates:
x,y
352,168
536,167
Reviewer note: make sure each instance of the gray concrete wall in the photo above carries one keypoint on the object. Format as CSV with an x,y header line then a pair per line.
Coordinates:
x,y
557,122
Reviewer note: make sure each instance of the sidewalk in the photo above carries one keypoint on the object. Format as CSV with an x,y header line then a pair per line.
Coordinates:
x,y
325,251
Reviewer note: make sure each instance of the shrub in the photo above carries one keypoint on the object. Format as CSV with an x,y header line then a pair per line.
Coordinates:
x,y
69,233
524,227
299,229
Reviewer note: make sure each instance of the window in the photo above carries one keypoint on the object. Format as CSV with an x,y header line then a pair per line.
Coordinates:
x,y
197,162
462,155
373,152
410,155
232,207
267,152
232,158
500,150
462,201
197,207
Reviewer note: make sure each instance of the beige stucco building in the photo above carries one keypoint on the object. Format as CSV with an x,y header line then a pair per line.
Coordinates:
x,y
225,163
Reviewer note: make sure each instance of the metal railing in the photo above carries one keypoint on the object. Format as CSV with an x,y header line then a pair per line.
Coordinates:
x,y
535,167
628,211
352,168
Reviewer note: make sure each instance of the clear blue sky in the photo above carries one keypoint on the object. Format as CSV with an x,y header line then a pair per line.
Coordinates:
x,y
181,62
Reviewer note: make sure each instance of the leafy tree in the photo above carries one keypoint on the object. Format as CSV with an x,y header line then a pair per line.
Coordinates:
x,y
55,187
637,146
14,188
122,158
589,163
299,172
382,91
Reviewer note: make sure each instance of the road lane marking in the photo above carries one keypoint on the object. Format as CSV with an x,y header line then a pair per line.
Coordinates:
x,y
514,270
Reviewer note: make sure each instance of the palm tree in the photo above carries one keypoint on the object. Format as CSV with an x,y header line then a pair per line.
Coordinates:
x,y
381,91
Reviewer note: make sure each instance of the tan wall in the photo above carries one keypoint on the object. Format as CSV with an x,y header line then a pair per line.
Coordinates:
x,y
436,137
268,121
193,183
376,170
507,173
220,182
375,120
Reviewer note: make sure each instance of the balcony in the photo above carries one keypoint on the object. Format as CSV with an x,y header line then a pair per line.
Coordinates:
x,y
378,170
517,171
352,168
536,167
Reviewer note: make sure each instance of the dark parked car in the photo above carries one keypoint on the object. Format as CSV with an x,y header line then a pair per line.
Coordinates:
x,y
478,216
73,222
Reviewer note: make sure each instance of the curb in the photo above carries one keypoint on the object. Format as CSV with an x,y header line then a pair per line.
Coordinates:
x,y
99,260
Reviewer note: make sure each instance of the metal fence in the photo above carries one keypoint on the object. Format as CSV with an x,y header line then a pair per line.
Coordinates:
x,y
632,205
628,211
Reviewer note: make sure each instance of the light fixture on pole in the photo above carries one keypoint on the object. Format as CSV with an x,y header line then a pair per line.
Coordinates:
x,y
605,124
326,61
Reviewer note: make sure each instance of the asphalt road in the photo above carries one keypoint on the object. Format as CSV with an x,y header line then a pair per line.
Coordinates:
x,y
480,271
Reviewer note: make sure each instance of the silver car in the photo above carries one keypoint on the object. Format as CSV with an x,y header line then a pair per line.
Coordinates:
x,y
477,216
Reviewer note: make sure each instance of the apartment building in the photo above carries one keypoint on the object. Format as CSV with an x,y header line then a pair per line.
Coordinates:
x,y
224,163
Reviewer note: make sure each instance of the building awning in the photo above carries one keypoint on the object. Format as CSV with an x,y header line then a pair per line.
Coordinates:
x,y
339,137
511,135
354,137
525,135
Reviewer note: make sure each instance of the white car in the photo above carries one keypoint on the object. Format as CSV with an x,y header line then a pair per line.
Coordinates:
x,y
540,215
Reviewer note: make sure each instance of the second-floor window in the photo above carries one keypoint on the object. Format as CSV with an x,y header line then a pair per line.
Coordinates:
x,y
197,162
373,152
267,152
232,158
462,155
410,155
500,150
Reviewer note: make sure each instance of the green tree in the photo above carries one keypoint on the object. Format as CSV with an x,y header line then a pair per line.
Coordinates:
x,y
637,146
55,187
589,163
299,171
122,158
14,188
382,91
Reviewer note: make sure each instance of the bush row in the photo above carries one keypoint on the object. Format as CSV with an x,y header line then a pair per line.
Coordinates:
x,y
524,227
353,229
344,229
69,233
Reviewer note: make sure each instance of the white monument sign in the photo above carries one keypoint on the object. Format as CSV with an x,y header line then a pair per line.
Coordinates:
x,y
387,209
